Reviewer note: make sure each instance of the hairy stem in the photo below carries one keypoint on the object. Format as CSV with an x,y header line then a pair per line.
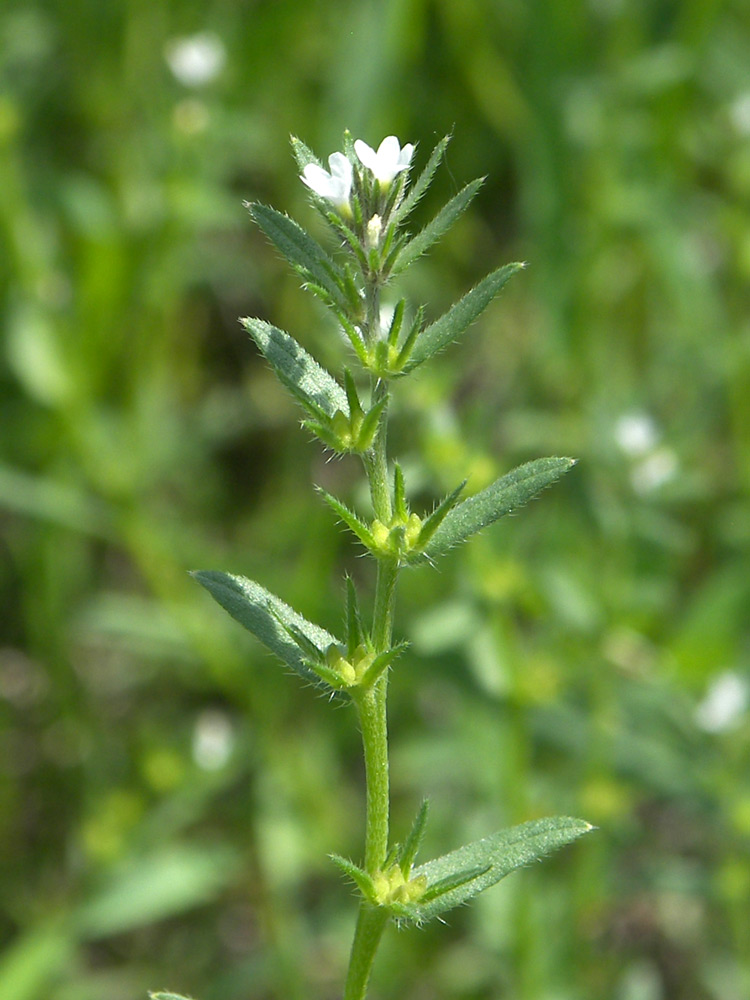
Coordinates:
x,y
371,923
371,704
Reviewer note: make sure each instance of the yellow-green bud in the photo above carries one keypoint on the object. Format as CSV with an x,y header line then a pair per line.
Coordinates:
x,y
374,229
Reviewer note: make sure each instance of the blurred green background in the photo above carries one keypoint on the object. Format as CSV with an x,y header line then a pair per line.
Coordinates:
x,y
167,795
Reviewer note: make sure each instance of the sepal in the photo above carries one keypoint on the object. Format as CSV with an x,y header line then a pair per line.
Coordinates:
x,y
361,878
350,519
303,154
413,842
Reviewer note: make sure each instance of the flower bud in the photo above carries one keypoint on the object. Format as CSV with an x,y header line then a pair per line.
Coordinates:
x,y
374,229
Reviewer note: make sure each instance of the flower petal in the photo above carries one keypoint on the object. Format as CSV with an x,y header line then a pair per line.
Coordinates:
x,y
367,155
388,153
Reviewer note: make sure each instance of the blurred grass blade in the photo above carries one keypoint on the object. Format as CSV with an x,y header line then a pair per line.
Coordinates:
x,y
499,498
309,383
305,255
35,959
460,316
262,613
479,865
442,222
167,996
162,884
58,502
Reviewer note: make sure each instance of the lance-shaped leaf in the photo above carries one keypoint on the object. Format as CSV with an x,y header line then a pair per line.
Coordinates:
x,y
267,617
460,316
499,498
456,877
305,255
317,390
422,183
435,229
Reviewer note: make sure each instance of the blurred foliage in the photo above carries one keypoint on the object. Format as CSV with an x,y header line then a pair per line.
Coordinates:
x,y
167,795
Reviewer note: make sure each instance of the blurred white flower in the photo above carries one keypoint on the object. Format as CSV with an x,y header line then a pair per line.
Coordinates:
x,y
195,59
213,740
389,160
727,698
636,433
654,470
334,186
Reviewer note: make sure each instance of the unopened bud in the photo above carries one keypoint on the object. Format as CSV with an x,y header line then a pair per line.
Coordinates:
x,y
374,229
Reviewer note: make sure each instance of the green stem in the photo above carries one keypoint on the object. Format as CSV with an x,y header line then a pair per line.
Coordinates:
x,y
371,923
371,704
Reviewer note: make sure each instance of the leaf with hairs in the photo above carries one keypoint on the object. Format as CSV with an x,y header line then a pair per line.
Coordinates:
x,y
304,253
310,384
432,232
462,874
500,498
267,617
460,316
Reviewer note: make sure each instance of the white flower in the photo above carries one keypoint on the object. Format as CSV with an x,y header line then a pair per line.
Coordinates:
x,y
725,702
653,471
196,59
334,186
389,160
213,740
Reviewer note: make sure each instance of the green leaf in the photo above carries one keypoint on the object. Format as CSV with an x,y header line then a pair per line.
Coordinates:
x,y
414,840
460,316
475,867
309,383
439,225
262,613
499,498
420,186
305,255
